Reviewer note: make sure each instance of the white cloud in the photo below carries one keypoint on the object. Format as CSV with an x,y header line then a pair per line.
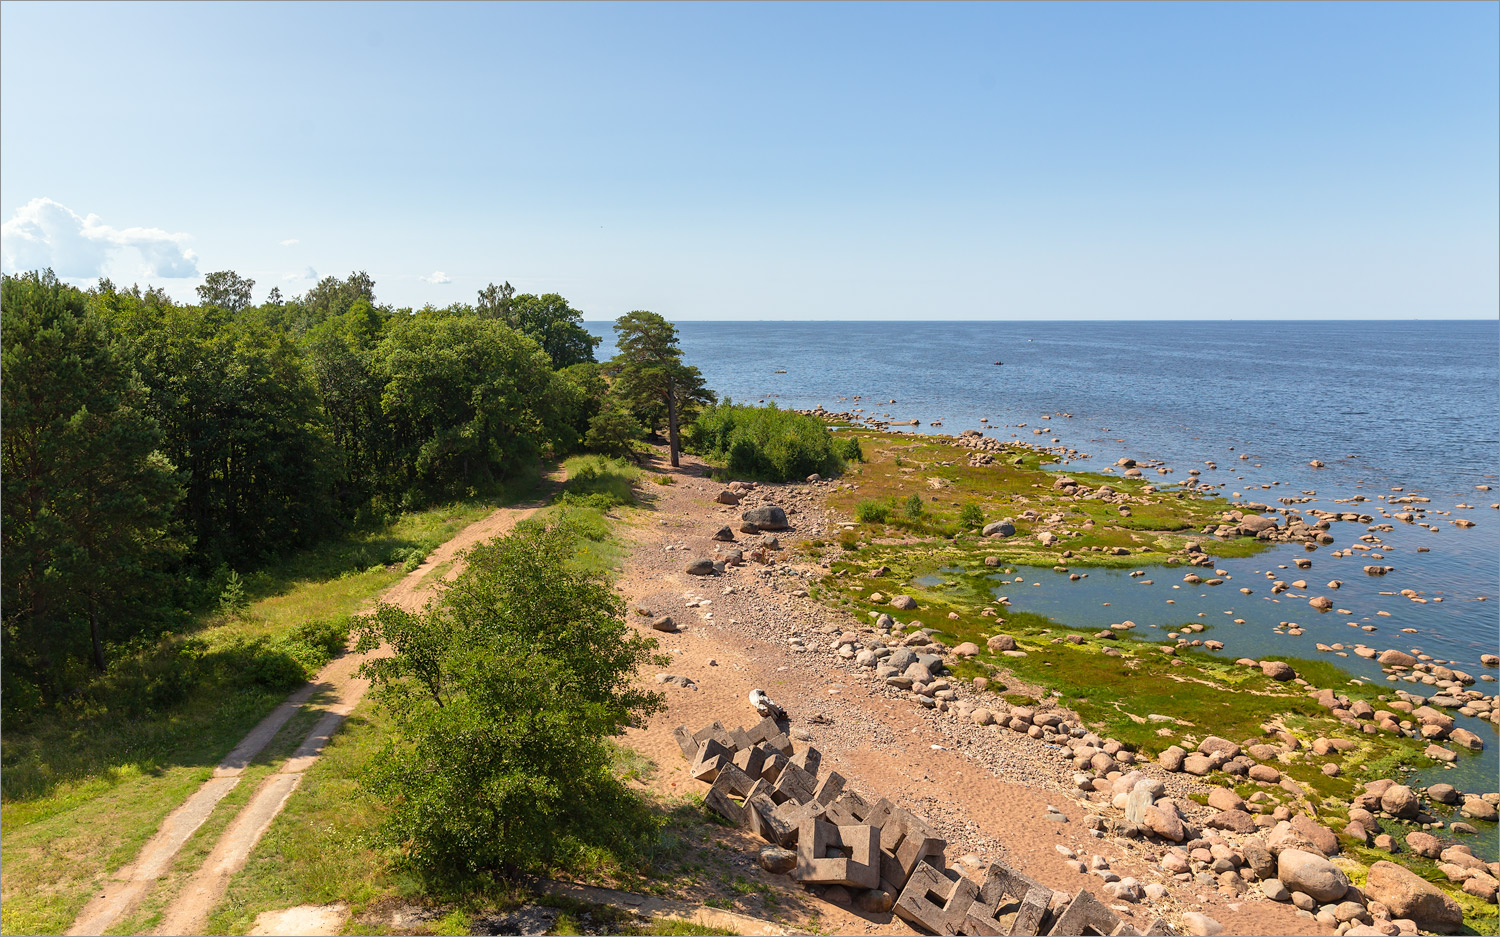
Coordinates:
x,y
289,242
437,278
306,273
44,234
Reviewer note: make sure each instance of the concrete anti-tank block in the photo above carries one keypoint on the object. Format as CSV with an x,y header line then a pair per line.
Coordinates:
x,y
934,902
905,840
729,793
712,757
1084,915
849,809
838,855
1005,892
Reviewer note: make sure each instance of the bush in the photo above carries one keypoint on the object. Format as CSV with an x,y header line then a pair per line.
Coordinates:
x,y
914,507
872,512
765,442
849,449
503,696
970,515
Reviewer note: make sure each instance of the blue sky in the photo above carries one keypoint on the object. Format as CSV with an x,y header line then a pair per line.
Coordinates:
x,y
771,161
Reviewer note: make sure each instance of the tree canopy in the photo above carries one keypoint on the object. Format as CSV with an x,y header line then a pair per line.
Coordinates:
x,y
651,379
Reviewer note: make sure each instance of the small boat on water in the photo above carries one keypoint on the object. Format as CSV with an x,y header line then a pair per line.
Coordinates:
x,y
780,372
999,362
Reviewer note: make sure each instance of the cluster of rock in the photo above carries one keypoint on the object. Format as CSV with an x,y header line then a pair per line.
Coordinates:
x,y
1289,858
1241,523
870,852
1408,715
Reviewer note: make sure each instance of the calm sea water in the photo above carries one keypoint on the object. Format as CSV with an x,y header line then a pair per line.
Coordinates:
x,y
1410,405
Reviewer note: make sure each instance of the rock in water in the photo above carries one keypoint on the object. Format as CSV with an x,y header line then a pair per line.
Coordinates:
x,y
1408,895
766,517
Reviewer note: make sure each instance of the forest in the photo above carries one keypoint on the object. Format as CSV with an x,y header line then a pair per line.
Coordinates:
x,y
155,451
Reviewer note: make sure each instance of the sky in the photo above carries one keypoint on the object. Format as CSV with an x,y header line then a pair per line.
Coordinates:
x,y
1033,161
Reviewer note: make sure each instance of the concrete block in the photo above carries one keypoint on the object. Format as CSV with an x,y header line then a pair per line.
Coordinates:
x,y
934,902
686,742
794,815
712,756
809,760
794,784
768,823
828,789
742,739
1157,928
727,797
1006,892
905,840
850,809
1084,915
750,760
767,732
775,761
838,855
717,732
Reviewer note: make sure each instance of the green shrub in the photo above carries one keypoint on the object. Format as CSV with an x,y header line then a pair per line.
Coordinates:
x,y
599,482
914,507
848,448
970,515
503,696
765,442
872,512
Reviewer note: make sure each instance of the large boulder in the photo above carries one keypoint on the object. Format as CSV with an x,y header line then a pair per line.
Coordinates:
x,y
1172,758
903,602
1000,529
1408,895
1001,642
1163,819
1236,821
1277,670
1395,658
702,566
1312,875
1398,800
1253,524
766,517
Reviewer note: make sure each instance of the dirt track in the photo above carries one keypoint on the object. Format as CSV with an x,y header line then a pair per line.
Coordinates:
x,y
335,691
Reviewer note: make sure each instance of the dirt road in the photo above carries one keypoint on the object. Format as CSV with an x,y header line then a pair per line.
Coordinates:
x,y
335,691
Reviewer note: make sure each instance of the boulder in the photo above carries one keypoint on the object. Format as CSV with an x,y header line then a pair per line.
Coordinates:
x,y
1001,642
766,517
1163,819
664,623
1214,744
903,602
1410,896
1312,875
1274,890
702,566
1000,529
966,649
1235,821
1424,844
1398,800
1316,833
776,860
1264,773
1222,798
1171,759
875,901
728,497
1197,764
1277,670
1395,658
724,533
1258,859
1201,925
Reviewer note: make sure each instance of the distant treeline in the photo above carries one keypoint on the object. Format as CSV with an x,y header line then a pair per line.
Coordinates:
x,y
151,447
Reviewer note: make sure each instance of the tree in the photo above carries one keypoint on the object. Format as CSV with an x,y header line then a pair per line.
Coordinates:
x,y
88,499
503,694
555,325
227,290
651,377
466,399
494,301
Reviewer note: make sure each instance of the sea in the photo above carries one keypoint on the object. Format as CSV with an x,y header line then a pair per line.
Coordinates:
x,y
1391,408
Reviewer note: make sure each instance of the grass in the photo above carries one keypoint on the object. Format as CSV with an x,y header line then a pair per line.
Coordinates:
x,y
84,787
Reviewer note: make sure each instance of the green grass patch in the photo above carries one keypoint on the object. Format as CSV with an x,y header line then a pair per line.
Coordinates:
x,y
85,785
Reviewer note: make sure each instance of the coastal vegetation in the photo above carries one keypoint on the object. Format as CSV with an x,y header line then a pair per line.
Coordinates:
x,y
766,443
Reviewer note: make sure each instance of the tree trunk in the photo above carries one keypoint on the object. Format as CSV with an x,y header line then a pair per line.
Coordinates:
x,y
672,418
96,637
